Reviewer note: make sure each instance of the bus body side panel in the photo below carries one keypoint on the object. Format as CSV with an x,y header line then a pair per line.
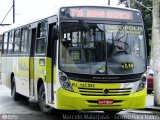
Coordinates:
x,y
7,69
22,80
48,80
39,68
19,66
42,70
39,73
31,76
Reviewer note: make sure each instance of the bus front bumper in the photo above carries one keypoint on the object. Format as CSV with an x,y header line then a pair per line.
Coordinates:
x,y
67,100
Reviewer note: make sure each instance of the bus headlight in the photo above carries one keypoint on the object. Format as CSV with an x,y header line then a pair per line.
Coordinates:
x,y
142,84
65,82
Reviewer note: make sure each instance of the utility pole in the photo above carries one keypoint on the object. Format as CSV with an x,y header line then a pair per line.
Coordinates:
x,y
13,7
109,2
4,24
155,51
13,11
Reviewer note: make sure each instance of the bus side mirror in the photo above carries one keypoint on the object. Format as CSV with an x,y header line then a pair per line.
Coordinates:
x,y
54,33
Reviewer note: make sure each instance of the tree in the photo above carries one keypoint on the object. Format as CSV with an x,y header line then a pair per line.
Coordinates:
x,y
155,51
125,2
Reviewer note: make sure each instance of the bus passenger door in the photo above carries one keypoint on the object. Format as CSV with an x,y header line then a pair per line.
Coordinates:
x,y
51,53
32,35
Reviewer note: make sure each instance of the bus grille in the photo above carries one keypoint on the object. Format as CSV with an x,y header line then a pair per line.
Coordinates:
x,y
101,92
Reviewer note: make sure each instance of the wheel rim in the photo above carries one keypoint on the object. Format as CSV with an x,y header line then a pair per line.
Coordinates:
x,y
43,100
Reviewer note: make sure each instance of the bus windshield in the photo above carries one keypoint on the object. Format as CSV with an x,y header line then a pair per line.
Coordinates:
x,y
91,48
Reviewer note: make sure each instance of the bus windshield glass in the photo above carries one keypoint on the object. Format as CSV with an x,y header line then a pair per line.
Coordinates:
x,y
91,48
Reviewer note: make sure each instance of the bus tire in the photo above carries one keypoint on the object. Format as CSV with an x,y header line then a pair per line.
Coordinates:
x,y
149,91
42,100
24,98
112,113
14,94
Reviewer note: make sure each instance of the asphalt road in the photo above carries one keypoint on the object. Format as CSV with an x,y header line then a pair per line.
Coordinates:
x,y
21,110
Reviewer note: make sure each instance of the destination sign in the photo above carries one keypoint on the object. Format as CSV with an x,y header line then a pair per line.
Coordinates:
x,y
93,13
97,12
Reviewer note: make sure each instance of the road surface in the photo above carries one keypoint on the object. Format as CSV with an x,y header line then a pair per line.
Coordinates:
x,y
21,110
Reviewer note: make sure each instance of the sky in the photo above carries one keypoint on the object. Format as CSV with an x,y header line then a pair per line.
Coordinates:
x,y
26,10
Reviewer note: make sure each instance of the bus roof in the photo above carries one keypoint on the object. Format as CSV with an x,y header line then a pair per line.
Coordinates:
x,y
69,3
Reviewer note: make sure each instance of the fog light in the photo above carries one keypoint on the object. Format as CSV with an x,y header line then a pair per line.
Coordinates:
x,y
66,85
63,78
141,87
64,81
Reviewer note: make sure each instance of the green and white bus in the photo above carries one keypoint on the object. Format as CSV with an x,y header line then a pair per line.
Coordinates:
x,y
81,58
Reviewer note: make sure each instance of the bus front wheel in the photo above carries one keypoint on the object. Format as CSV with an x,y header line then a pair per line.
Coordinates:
x,y
14,94
112,113
42,100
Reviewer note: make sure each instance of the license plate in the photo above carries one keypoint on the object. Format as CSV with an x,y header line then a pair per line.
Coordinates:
x,y
105,102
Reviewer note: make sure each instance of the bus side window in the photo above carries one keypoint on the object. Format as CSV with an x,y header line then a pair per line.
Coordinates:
x,y
17,41
24,40
10,42
41,38
5,40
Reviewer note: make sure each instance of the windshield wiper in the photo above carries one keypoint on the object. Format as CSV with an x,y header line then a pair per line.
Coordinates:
x,y
119,30
123,46
85,25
